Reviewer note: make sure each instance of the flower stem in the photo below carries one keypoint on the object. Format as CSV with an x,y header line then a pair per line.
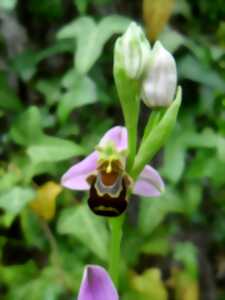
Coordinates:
x,y
153,120
132,144
115,245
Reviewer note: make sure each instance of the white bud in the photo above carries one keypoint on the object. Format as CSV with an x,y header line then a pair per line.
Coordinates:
x,y
132,52
160,82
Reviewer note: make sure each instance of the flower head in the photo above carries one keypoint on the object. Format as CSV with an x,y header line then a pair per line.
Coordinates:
x,y
103,174
159,84
132,51
97,285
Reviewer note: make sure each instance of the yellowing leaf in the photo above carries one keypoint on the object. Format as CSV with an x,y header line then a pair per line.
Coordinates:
x,y
156,14
44,204
191,292
186,288
149,285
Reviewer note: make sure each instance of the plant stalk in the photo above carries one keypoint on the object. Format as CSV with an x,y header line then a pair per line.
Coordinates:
x,y
116,225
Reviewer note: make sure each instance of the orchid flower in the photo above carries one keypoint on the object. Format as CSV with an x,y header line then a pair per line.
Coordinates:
x,y
103,174
97,285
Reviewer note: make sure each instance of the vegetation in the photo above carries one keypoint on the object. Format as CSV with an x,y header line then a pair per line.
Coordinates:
x,y
57,98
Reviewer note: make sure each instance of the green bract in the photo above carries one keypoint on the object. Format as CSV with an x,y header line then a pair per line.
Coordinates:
x,y
157,136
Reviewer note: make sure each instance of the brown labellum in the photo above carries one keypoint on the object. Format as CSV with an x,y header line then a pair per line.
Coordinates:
x,y
108,192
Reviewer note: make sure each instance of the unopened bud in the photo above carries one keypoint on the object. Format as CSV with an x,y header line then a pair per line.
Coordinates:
x,y
160,82
132,52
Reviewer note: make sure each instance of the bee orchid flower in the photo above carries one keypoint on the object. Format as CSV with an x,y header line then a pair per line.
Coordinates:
x,y
103,173
97,285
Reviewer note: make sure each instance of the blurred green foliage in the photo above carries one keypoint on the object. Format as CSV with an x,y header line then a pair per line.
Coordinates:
x,y
57,98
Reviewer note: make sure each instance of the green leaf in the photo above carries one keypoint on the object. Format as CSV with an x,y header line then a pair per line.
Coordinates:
x,y
157,244
174,158
154,210
206,165
32,231
27,128
221,148
191,196
9,179
16,199
91,38
186,253
8,99
175,149
150,285
91,42
8,4
74,29
192,69
7,219
25,64
50,89
52,149
86,227
183,8
206,139
17,274
82,92
45,286
81,5
172,40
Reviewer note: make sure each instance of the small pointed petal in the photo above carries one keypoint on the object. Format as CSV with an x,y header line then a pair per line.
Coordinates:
x,y
75,177
97,285
149,183
118,135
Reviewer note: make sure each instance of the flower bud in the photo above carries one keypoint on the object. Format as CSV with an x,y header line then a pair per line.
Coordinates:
x,y
132,52
160,81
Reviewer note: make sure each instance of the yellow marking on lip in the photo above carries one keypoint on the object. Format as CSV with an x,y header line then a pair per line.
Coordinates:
x,y
109,167
103,208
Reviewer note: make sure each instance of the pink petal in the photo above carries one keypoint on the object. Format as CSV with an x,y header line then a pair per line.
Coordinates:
x,y
118,135
97,285
149,183
75,177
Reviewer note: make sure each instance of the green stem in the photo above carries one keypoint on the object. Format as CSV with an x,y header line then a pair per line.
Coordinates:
x,y
129,95
153,120
115,246
132,146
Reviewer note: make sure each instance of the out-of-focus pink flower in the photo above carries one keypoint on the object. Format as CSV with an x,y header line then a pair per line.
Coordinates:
x,y
97,285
